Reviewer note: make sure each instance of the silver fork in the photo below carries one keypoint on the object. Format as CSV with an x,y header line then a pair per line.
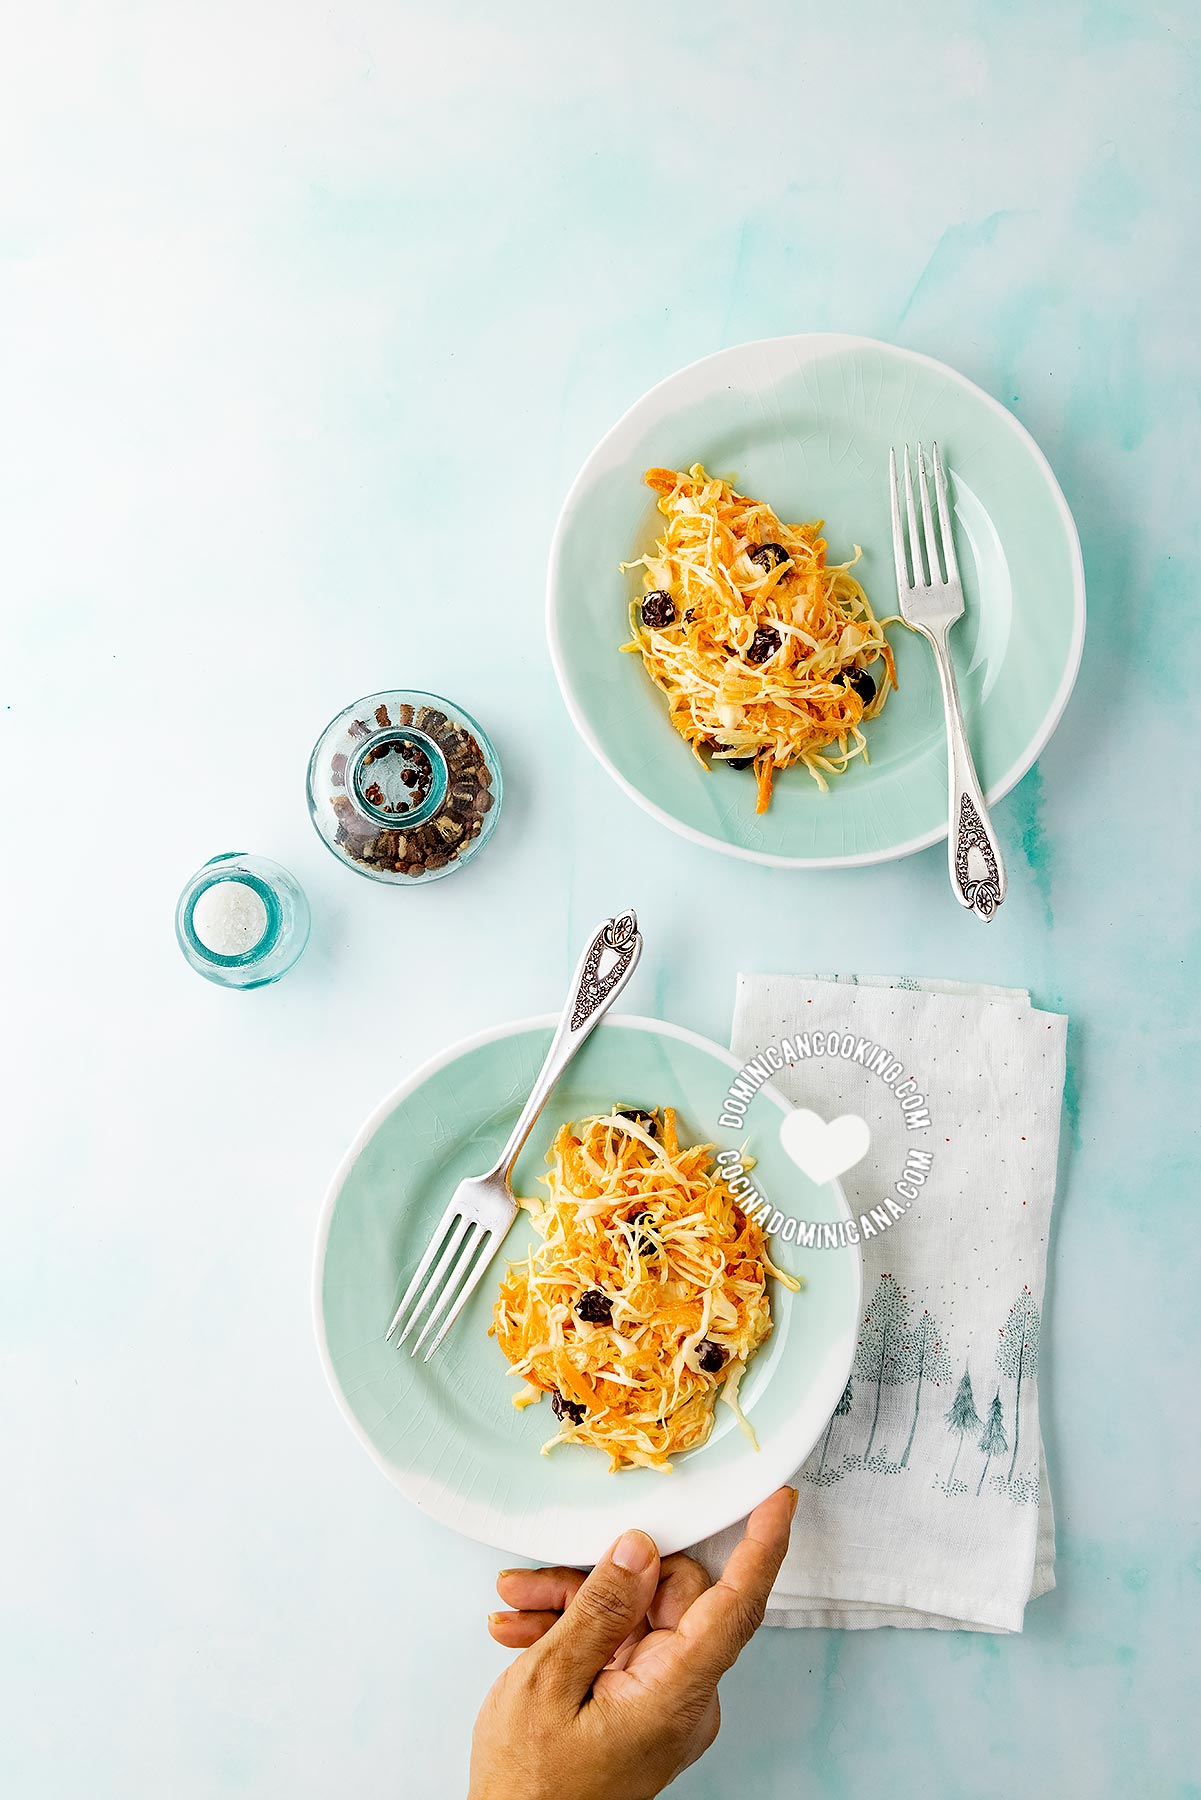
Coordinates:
x,y
931,602
481,1209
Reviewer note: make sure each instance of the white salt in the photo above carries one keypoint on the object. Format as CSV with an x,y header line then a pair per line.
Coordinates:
x,y
229,918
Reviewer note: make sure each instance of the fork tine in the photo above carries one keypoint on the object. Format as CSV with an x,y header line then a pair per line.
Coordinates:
x,y
450,1287
920,576
423,1266
465,1293
898,530
429,1292
944,516
931,542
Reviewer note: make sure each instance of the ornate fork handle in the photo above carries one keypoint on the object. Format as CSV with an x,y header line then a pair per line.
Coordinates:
x,y
590,996
977,867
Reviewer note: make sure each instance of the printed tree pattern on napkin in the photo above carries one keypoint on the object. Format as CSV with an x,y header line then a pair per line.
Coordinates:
x,y
993,1441
840,1412
896,1348
961,1419
1017,1355
926,1358
880,1355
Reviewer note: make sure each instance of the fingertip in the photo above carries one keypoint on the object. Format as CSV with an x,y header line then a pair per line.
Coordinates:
x,y
773,1516
634,1552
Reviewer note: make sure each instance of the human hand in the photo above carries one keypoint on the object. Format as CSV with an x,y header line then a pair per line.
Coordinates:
x,y
616,1691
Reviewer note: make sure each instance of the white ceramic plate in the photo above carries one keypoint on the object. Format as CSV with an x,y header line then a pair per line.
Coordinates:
x,y
445,1431
806,424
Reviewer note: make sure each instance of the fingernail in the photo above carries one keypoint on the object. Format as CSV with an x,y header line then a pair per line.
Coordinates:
x,y
796,1494
634,1552
503,1574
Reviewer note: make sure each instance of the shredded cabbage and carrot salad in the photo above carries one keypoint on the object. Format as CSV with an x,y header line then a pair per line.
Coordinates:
x,y
646,1296
761,647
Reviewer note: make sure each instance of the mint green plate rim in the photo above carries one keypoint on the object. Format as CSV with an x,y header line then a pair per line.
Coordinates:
x,y
748,1478
722,383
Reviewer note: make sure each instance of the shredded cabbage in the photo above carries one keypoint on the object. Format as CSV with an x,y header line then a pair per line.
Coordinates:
x,y
653,1228
730,693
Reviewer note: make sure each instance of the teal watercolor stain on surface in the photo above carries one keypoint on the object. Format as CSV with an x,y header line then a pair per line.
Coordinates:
x,y
1027,804
950,256
1112,401
1110,204
1071,1096
829,1729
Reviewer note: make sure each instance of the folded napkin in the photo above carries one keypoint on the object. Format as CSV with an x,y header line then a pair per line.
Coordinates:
x,y
925,1502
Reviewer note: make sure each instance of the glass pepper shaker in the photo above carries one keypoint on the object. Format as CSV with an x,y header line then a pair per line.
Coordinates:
x,y
404,787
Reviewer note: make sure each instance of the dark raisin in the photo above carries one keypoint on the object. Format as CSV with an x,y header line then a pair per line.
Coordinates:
x,y
769,556
710,1356
594,1308
645,1119
739,762
567,1409
861,682
658,609
765,643
645,1244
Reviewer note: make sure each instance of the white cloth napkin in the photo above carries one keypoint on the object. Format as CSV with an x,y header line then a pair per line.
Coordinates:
x,y
946,1520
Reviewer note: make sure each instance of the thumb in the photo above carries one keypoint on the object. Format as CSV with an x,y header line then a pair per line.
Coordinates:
x,y
612,1603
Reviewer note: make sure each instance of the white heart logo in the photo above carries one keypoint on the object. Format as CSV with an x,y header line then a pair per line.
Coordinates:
x,y
823,1151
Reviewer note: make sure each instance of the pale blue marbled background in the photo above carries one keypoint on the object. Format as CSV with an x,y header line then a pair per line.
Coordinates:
x,y
291,296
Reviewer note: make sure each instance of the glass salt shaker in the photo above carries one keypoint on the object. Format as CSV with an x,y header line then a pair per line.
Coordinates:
x,y
242,921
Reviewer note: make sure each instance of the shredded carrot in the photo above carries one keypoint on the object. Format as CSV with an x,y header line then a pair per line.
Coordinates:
x,y
643,1235
765,657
